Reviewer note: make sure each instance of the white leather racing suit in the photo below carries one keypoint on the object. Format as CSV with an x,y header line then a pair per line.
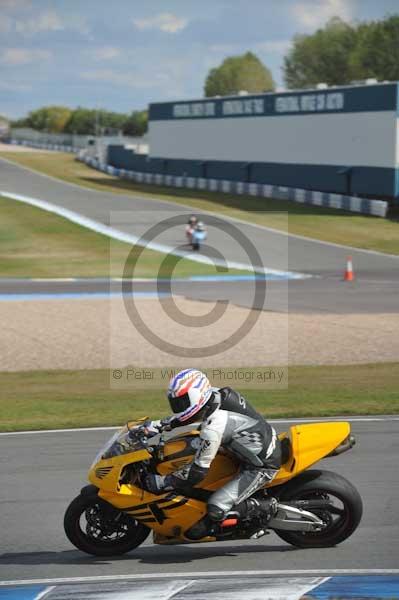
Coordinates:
x,y
231,422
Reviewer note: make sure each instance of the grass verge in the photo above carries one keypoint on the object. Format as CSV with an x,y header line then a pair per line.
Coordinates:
x,y
316,222
58,399
35,243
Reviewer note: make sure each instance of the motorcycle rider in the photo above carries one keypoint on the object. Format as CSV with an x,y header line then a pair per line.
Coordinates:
x,y
198,235
190,227
227,421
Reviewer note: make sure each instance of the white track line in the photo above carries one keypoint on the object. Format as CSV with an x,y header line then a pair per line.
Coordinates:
x,y
209,212
44,593
202,575
352,419
117,234
173,593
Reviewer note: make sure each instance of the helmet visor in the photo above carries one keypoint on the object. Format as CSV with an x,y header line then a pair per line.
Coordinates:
x,y
180,403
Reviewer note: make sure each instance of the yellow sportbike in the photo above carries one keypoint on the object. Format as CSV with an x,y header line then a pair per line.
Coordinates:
x,y
115,514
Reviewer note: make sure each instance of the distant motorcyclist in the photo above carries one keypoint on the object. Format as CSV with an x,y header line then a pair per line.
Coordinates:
x,y
198,235
192,222
228,421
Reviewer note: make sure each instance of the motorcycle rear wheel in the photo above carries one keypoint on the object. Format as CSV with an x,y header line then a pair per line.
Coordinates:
x,y
341,521
97,528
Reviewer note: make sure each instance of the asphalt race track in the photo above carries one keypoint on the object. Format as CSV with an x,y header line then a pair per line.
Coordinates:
x,y
41,472
375,289
327,294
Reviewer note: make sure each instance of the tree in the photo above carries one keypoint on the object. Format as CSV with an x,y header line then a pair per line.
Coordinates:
x,y
377,50
136,124
49,118
322,56
87,121
82,121
17,123
245,72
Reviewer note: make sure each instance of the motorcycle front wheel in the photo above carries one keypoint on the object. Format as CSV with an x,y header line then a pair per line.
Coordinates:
x,y
97,528
341,518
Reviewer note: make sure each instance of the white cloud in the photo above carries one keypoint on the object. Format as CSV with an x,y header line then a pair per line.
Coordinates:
x,y
274,46
269,46
22,56
15,4
47,21
6,24
105,53
310,15
77,22
14,87
166,22
225,48
126,79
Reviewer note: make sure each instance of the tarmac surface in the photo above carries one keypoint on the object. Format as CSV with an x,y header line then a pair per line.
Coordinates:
x,y
375,289
40,473
316,295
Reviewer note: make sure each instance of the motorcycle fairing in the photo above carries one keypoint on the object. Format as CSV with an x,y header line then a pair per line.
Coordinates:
x,y
169,514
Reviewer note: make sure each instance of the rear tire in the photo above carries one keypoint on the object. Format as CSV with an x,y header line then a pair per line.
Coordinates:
x,y
348,509
106,531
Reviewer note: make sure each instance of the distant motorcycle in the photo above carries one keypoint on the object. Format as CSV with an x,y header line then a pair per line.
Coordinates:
x,y
191,225
316,508
198,235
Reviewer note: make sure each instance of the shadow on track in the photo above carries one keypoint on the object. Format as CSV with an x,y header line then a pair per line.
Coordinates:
x,y
151,555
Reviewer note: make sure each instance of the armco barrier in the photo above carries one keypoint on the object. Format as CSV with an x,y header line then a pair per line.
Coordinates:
x,y
56,147
377,208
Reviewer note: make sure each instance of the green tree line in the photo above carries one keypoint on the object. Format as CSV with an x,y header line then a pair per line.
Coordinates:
x,y
336,54
61,119
340,53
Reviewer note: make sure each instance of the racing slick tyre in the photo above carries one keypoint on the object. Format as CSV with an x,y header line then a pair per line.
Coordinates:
x,y
97,528
341,518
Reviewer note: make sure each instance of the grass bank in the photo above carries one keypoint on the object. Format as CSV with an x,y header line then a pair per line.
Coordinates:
x,y
35,243
316,222
58,399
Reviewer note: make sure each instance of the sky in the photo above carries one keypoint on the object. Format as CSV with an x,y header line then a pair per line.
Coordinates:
x,y
122,54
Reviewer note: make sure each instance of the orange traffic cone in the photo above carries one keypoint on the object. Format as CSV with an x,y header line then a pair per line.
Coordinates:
x,y
349,275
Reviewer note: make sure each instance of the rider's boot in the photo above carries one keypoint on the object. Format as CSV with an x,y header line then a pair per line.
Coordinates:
x,y
266,508
203,528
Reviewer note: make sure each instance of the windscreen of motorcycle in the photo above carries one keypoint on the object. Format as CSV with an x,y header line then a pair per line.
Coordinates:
x,y
119,443
106,446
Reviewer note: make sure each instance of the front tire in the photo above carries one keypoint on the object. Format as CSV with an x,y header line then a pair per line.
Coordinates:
x,y
97,528
341,520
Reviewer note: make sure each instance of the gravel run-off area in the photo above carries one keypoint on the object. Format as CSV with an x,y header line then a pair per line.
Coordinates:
x,y
98,333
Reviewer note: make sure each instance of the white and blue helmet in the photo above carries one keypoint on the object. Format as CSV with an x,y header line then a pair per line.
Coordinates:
x,y
188,392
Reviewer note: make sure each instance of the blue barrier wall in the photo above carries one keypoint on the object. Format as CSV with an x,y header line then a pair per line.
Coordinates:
x,y
336,201
325,178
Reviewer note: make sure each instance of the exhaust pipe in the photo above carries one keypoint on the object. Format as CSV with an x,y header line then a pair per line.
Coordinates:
x,y
347,444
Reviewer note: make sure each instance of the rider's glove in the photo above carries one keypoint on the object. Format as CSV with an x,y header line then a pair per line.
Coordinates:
x,y
168,423
149,428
